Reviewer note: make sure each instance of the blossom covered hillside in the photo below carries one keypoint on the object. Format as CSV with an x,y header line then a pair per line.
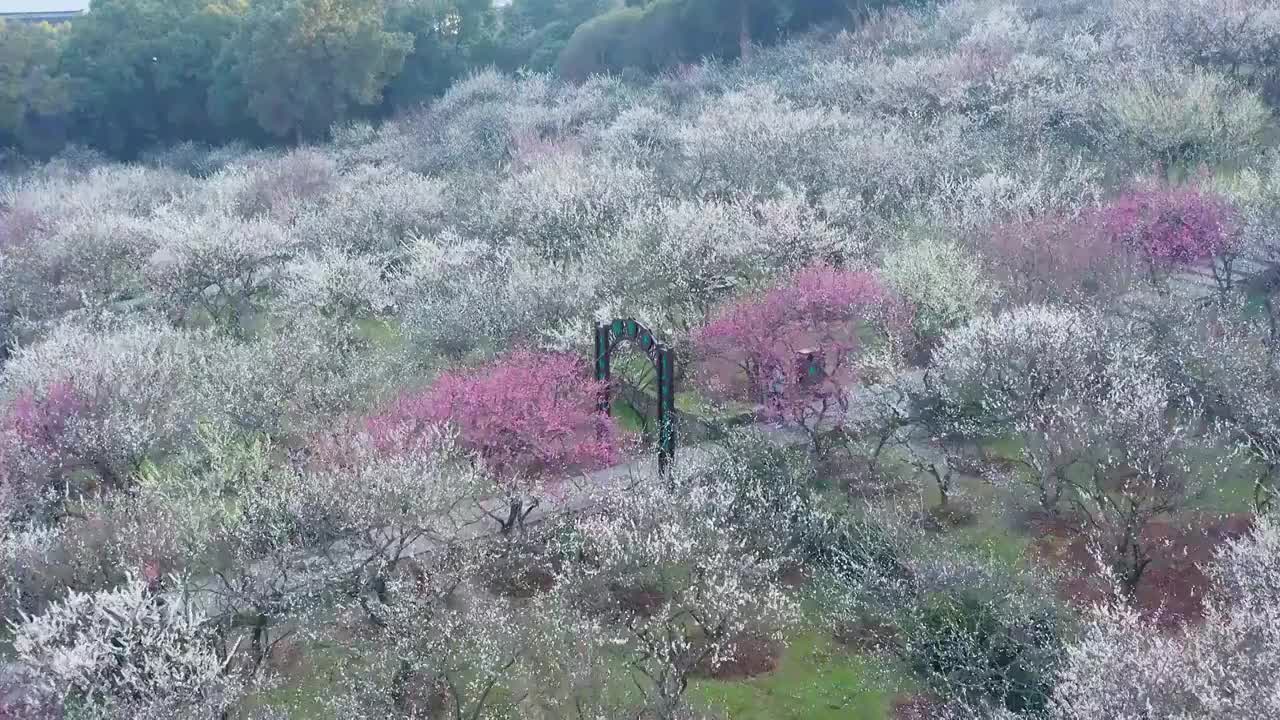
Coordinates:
x,y
973,306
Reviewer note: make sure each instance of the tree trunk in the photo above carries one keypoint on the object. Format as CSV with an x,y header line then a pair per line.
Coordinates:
x,y
513,517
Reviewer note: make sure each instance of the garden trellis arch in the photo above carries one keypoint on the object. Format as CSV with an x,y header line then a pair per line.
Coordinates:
x,y
607,338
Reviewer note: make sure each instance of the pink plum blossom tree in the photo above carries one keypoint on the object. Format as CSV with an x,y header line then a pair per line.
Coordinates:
x,y
1054,259
1174,227
529,418
797,344
35,427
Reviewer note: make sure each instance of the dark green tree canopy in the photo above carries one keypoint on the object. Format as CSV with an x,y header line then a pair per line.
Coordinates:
x,y
34,95
449,38
143,68
134,74
300,66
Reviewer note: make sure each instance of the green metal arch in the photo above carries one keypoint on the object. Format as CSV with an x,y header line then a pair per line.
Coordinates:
x,y
607,338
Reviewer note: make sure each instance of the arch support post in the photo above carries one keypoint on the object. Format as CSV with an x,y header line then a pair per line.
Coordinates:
x,y
666,409
603,370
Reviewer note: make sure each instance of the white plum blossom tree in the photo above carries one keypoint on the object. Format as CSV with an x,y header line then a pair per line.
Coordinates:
x,y
704,584
127,650
1122,666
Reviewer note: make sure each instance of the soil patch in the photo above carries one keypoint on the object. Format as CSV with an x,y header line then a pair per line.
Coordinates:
x,y
868,636
953,516
641,601
916,707
521,569
1172,589
795,576
520,582
752,656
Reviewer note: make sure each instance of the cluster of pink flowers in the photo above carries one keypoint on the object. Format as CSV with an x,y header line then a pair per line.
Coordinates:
x,y
529,416
1053,258
39,420
1174,226
35,425
817,319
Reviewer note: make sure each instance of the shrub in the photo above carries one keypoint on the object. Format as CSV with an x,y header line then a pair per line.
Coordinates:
x,y
1178,116
979,654
1055,259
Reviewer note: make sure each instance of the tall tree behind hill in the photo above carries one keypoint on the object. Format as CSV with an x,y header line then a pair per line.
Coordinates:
x,y
449,38
534,32
34,96
142,70
300,66
651,35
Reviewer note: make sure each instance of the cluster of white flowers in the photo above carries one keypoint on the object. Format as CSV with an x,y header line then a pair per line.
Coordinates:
x,y
215,268
711,583
374,210
1020,363
126,647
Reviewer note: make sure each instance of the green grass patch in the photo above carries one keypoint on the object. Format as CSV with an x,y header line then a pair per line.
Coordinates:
x,y
302,693
636,369
1009,447
628,419
1230,489
382,332
816,680
991,537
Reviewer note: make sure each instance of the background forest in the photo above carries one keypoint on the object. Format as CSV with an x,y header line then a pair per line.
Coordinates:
x,y
134,75
975,311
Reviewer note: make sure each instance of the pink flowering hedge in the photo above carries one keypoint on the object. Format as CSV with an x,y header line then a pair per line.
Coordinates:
x,y
1054,258
530,416
39,420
